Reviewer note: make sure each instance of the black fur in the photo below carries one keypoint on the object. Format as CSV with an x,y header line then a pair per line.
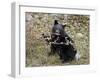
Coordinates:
x,y
61,42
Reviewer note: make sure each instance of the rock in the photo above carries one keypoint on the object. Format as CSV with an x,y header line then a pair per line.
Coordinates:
x,y
77,56
28,18
79,35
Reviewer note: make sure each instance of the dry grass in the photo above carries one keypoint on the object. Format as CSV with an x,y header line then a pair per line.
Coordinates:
x,y
36,48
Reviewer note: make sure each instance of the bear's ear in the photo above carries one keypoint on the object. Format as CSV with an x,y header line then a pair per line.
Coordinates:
x,y
55,22
64,25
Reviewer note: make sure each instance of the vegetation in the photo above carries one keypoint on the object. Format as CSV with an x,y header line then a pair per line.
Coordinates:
x,y
36,48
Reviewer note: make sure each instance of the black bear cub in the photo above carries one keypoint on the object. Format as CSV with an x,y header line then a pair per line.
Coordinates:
x,y
61,43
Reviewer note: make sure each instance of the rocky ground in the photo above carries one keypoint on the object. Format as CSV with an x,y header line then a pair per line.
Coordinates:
x,y
36,48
